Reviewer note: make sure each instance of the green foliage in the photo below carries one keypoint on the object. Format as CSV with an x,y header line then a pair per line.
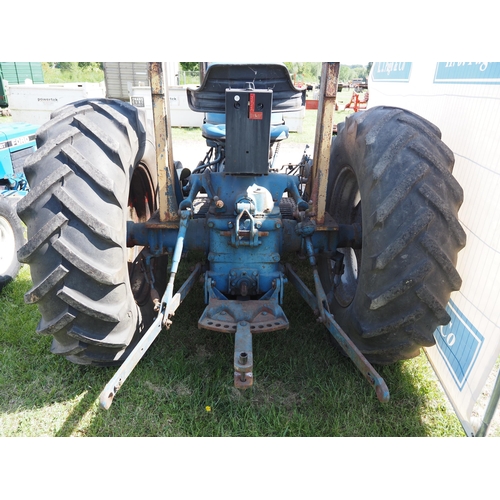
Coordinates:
x,y
67,66
94,66
68,72
345,73
348,73
190,66
309,72
306,72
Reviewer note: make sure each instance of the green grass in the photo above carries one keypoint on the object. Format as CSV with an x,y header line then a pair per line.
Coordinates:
x,y
303,386
92,74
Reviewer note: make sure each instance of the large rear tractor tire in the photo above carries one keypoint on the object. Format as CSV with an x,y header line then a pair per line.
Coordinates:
x,y
391,174
94,169
11,239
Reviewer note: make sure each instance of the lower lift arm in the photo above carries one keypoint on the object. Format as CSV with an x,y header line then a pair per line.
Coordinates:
x,y
168,305
319,304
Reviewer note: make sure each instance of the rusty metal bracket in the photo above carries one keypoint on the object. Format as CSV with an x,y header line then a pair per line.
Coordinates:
x,y
168,308
316,189
243,356
244,318
163,140
361,363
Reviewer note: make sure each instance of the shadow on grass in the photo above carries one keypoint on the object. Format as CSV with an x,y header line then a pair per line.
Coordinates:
x,y
73,421
184,385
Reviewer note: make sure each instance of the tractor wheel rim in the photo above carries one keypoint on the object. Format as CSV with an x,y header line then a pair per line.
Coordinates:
x,y
140,209
348,212
7,245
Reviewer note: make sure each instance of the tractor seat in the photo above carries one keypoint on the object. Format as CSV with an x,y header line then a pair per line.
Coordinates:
x,y
210,96
214,127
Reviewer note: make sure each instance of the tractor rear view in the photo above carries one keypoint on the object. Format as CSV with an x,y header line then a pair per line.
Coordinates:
x,y
109,218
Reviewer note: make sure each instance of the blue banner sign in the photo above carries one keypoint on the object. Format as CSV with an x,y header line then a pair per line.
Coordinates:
x,y
467,72
459,344
391,71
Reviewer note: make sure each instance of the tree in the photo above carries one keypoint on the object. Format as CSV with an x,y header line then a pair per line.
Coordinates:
x,y
67,66
91,65
310,71
190,66
345,73
358,71
304,71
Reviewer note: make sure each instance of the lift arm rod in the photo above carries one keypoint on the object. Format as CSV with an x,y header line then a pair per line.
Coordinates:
x,y
169,304
362,364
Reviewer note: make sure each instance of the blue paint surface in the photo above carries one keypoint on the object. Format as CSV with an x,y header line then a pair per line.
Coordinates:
x,y
467,72
391,71
459,343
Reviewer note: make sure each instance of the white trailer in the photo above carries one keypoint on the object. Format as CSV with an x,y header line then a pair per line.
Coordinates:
x,y
463,100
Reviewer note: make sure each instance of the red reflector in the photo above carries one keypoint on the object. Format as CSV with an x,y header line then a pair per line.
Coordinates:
x,y
252,114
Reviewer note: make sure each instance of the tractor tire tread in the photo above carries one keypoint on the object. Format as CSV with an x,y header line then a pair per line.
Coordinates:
x,y
74,214
411,232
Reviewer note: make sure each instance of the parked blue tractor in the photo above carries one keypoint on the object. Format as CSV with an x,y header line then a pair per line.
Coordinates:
x,y
374,212
17,142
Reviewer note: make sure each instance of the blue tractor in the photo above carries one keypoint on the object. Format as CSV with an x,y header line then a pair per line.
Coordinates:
x,y
17,142
374,213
